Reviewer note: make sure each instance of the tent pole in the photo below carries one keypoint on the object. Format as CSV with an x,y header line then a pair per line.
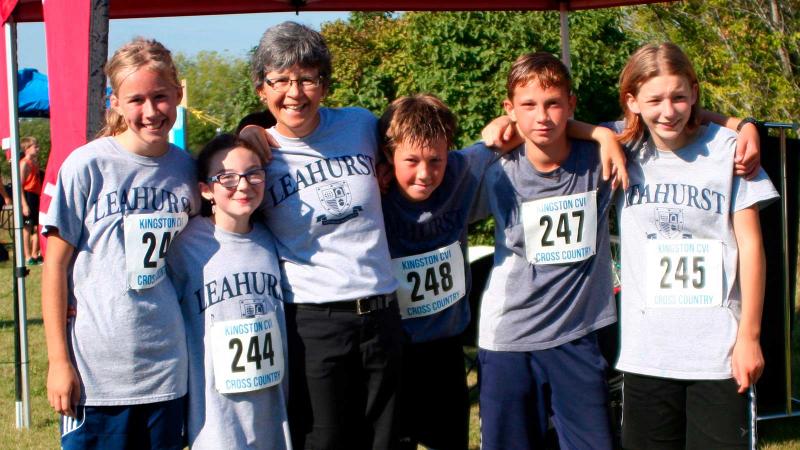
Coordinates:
x,y
20,271
564,14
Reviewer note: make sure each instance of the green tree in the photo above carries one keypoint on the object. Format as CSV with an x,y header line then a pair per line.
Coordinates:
x,y
746,53
463,57
219,94
38,128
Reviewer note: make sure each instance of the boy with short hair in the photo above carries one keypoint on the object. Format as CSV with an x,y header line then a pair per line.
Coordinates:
x,y
550,286
426,213
31,189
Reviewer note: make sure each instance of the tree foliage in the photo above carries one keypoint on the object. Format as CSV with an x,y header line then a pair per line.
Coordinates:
x,y
218,86
746,52
463,57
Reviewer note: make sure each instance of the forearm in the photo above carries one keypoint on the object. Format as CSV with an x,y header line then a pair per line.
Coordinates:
x,y
586,131
729,122
752,279
54,304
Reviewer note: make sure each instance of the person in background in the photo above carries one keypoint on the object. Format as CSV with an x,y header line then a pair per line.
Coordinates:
x,y
31,189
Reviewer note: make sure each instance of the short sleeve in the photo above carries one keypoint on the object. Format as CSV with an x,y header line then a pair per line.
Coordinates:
x,y
758,191
68,205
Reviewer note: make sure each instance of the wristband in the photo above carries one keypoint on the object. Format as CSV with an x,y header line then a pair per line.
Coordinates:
x,y
745,121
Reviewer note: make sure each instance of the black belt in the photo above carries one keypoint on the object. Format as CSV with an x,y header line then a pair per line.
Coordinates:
x,y
360,306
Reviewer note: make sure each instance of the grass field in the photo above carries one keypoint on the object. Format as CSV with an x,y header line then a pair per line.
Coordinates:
x,y
43,434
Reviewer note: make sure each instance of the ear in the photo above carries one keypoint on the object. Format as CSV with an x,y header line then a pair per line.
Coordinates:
x,y
262,95
509,107
389,157
573,102
205,191
633,105
695,93
179,97
113,101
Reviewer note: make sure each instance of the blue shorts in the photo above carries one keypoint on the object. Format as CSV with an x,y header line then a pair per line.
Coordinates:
x,y
148,426
520,392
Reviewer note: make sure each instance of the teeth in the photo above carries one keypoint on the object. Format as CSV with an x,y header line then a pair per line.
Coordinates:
x,y
293,107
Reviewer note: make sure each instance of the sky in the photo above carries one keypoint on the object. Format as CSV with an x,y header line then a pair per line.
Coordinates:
x,y
233,34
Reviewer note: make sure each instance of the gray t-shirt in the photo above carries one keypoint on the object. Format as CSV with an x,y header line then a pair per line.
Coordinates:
x,y
228,281
323,205
681,301
128,345
551,279
424,238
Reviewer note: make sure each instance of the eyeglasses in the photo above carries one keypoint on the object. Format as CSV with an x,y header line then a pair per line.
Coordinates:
x,y
283,84
231,180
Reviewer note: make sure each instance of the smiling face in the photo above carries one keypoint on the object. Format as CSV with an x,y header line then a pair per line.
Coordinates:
x,y
665,103
541,114
235,205
419,168
297,109
148,104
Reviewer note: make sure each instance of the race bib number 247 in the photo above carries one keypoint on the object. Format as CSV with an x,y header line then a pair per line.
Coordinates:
x,y
560,230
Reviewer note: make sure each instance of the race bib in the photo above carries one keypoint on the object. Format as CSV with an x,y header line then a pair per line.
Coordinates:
x,y
147,238
247,354
430,282
684,273
560,230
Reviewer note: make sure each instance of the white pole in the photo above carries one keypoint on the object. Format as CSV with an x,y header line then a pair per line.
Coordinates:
x,y
564,13
23,394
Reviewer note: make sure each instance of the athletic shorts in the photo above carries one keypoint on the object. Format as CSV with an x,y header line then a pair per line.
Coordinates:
x,y
33,204
665,413
434,401
521,392
130,427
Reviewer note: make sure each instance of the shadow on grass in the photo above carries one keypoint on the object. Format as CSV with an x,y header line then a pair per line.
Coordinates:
x,y
10,323
779,431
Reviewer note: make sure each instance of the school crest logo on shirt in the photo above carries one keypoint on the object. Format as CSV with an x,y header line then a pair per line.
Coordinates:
x,y
336,198
669,222
252,308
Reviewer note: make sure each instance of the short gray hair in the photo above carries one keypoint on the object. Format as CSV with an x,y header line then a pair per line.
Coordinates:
x,y
288,44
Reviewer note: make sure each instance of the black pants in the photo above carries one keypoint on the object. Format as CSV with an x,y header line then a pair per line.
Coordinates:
x,y
665,413
434,401
344,374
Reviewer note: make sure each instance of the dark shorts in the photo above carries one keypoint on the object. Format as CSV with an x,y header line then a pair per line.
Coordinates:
x,y
434,401
664,413
148,426
33,204
344,377
520,392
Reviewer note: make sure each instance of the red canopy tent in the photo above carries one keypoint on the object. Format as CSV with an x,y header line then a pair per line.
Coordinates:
x,y
76,41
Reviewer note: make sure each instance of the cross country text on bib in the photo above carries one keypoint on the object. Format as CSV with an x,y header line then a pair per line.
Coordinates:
x,y
560,230
430,282
247,354
683,273
147,238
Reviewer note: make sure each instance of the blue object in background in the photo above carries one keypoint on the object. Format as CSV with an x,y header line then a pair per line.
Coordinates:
x,y
33,97
177,135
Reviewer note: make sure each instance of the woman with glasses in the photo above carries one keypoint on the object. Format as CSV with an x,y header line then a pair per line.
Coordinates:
x,y
322,203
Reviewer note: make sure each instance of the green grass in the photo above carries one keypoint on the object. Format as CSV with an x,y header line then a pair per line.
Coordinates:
x,y
43,434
